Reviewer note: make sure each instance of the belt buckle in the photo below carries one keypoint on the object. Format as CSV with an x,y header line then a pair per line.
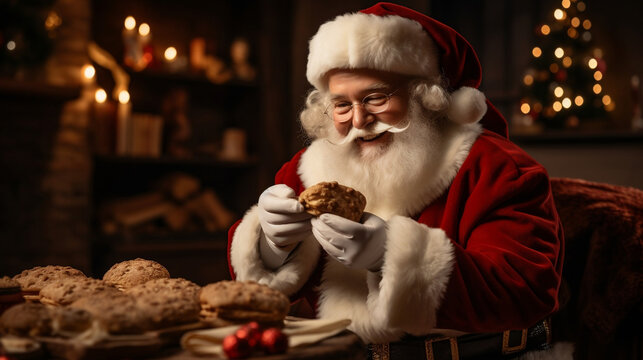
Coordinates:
x,y
428,346
506,349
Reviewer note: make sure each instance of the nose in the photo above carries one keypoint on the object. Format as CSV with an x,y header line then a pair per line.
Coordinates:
x,y
361,117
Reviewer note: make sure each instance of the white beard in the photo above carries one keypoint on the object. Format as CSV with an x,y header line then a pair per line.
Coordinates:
x,y
402,176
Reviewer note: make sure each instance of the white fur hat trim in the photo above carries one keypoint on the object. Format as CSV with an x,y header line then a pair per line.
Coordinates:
x,y
468,105
357,40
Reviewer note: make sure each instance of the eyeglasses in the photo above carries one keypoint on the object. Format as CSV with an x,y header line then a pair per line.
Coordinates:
x,y
375,103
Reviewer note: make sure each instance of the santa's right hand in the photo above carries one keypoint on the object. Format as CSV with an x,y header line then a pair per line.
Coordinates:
x,y
283,218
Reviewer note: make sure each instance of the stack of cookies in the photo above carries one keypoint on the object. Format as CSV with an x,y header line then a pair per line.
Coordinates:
x,y
133,297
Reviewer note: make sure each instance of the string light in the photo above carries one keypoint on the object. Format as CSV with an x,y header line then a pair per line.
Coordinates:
x,y
525,108
575,21
100,96
567,103
597,89
587,24
592,63
528,79
553,68
11,45
572,33
598,75
580,6
606,99
579,100
558,91
88,72
123,97
567,61
559,52
557,106
545,29
598,53
566,4
170,53
130,23
587,36
536,52
144,29
559,14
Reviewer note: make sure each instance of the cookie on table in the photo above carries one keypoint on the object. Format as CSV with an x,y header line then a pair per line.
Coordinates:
x,y
34,279
69,322
117,313
168,302
130,273
333,198
65,291
242,301
26,319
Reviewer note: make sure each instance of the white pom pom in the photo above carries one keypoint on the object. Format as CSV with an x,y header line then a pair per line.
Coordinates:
x,y
467,105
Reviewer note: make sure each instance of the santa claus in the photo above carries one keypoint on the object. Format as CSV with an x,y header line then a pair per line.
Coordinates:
x,y
460,233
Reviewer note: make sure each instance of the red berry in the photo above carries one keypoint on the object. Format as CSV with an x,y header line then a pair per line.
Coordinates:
x,y
250,334
273,341
236,348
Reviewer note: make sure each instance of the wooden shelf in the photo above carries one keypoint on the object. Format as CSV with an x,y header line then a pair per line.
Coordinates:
x,y
33,89
174,161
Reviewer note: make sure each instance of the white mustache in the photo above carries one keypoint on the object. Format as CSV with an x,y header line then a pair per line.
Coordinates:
x,y
376,129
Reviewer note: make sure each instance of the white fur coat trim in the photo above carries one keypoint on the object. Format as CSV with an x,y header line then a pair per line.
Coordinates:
x,y
357,40
247,263
405,297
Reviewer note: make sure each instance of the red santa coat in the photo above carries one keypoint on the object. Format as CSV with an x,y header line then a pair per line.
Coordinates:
x,y
485,255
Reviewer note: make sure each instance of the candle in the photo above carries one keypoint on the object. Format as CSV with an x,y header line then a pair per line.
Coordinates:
x,y
104,123
123,123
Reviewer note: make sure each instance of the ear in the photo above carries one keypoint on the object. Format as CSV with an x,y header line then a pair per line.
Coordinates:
x,y
468,105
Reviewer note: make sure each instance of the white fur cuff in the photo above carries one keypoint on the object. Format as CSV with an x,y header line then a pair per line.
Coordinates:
x,y
247,264
417,266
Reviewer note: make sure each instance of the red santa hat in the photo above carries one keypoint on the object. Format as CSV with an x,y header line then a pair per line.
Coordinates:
x,y
394,38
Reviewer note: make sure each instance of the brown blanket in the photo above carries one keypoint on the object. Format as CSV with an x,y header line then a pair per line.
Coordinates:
x,y
602,288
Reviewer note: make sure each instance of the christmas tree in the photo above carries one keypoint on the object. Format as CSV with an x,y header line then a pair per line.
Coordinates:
x,y
562,86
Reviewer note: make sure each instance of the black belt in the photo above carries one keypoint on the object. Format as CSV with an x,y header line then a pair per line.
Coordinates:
x,y
503,345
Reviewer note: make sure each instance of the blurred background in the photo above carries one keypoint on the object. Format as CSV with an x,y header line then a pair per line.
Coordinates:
x,y
145,128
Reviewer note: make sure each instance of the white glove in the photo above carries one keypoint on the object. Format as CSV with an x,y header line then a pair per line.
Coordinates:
x,y
359,246
283,220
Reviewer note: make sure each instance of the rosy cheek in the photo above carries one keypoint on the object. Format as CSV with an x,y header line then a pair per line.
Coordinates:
x,y
342,128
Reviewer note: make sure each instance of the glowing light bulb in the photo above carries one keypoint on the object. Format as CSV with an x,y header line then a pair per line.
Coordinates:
x,y
123,97
525,108
567,103
536,52
578,100
100,96
130,23
580,6
572,33
559,14
606,100
559,52
575,21
597,88
566,4
11,45
558,91
528,79
557,106
144,29
88,72
587,36
587,24
598,75
545,29
170,53
567,61
592,63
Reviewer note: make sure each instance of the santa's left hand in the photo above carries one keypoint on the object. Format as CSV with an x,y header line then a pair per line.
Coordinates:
x,y
356,245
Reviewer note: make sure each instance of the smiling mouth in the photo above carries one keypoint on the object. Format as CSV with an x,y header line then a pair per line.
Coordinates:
x,y
372,137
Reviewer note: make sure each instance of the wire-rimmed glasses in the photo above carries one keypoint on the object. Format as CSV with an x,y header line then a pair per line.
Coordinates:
x,y
375,103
